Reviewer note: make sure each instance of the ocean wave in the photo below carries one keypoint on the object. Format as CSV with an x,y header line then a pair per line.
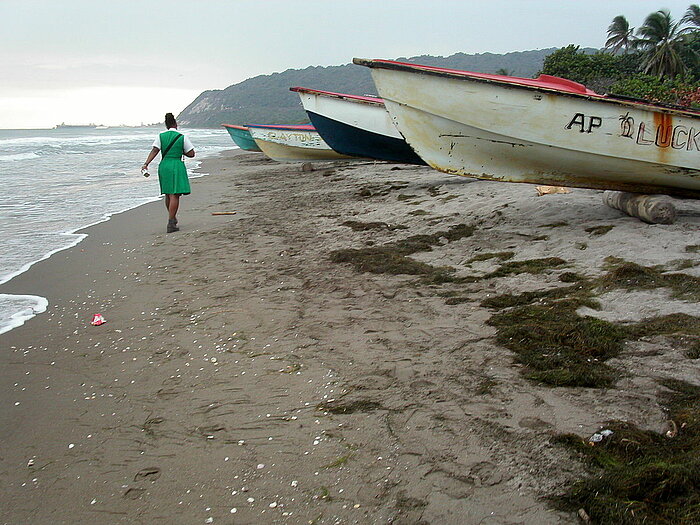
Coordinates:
x,y
24,307
14,157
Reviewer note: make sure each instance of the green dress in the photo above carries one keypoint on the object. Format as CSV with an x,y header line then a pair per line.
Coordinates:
x,y
172,173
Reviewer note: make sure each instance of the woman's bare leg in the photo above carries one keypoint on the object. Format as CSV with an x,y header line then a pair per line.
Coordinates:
x,y
173,205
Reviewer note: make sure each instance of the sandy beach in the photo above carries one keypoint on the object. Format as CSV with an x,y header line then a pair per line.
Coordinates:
x,y
244,376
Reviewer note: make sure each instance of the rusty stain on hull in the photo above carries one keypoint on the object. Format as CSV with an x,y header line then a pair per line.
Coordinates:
x,y
664,132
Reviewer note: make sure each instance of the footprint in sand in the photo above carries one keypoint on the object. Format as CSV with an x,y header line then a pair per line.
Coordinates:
x,y
133,493
149,473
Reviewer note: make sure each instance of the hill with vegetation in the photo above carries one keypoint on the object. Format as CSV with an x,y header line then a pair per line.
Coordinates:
x,y
266,99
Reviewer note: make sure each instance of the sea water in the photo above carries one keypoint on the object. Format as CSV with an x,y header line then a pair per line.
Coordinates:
x,y
58,181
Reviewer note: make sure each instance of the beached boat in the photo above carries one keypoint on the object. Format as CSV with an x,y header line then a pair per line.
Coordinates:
x,y
544,131
241,137
356,126
292,143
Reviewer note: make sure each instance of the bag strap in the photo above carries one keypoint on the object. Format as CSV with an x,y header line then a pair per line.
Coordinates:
x,y
165,151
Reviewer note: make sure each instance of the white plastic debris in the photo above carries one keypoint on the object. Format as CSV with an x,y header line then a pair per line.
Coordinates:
x,y
600,436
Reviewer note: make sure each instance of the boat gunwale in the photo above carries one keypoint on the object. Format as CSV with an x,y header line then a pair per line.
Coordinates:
x,y
372,101
467,76
235,126
284,127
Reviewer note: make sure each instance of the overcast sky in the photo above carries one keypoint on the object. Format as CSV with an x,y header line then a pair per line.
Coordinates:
x,y
130,61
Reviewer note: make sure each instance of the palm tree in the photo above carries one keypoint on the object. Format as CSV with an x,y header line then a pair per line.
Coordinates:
x,y
661,42
692,16
620,35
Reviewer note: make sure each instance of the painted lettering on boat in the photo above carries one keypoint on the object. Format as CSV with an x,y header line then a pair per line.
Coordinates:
x,y
294,137
662,133
579,120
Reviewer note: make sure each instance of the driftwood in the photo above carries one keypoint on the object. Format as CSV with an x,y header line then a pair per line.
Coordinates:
x,y
654,209
547,190
224,213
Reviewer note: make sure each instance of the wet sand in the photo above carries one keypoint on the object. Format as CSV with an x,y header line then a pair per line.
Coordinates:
x,y
243,377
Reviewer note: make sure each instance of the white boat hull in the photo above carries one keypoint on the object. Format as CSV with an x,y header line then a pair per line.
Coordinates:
x,y
356,126
293,145
510,133
372,118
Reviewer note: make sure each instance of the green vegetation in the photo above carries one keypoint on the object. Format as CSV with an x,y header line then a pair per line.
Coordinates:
x,y
660,61
503,256
558,346
562,348
633,276
392,258
533,266
643,476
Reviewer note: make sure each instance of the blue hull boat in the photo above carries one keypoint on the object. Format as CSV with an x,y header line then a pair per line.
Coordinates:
x,y
356,126
241,137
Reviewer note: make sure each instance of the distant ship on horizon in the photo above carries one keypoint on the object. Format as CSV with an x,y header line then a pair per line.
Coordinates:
x,y
63,125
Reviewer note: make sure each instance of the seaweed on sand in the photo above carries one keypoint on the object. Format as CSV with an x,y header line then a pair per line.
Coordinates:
x,y
562,348
392,258
629,275
365,226
558,346
642,476
533,266
503,256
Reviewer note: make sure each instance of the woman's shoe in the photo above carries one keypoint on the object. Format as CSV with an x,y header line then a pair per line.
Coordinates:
x,y
172,226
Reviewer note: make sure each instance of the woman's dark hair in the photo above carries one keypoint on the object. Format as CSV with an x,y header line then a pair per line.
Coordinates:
x,y
170,121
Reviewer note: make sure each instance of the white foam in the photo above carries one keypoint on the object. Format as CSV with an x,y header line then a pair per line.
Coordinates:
x,y
18,156
38,305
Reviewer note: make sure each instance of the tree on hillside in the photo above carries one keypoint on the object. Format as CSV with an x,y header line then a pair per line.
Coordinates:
x,y
620,35
662,42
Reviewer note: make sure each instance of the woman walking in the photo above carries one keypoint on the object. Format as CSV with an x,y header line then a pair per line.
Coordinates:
x,y
172,173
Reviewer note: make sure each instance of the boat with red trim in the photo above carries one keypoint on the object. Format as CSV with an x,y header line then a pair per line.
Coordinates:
x,y
241,137
547,130
354,125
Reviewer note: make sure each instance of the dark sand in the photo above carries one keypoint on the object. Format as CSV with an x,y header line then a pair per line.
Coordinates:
x,y
205,397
